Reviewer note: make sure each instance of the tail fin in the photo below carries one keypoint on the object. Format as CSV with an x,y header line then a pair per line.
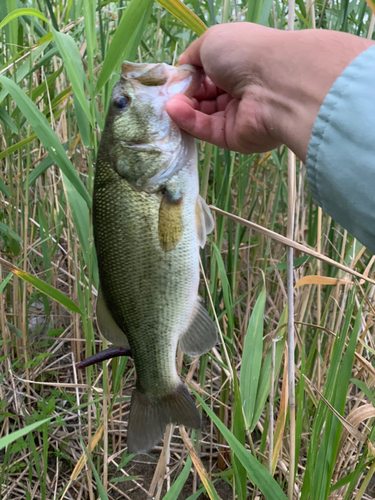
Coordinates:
x,y
149,417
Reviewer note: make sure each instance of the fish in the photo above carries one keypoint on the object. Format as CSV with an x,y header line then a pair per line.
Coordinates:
x,y
149,222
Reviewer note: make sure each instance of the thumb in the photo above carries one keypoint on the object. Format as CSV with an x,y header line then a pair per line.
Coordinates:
x,y
181,110
210,128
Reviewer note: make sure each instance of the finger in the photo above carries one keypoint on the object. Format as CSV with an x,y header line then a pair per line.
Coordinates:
x,y
192,53
223,100
208,107
210,128
212,106
208,90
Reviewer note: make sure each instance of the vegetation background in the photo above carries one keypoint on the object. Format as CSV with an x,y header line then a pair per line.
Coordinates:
x,y
62,430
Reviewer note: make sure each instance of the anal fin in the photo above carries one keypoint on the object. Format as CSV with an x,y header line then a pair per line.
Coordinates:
x,y
204,220
201,335
107,325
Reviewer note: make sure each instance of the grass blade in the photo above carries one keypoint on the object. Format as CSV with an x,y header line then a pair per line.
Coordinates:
x,y
52,14
225,287
371,4
210,488
177,486
99,484
332,429
257,474
6,230
366,390
80,214
130,19
7,120
45,134
184,14
281,418
264,378
291,243
238,429
10,438
48,290
251,359
73,64
4,189
22,12
42,167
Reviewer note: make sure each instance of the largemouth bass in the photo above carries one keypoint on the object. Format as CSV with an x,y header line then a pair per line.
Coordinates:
x,y
149,222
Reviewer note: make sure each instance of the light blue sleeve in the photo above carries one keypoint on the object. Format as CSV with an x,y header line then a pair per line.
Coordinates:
x,y
340,159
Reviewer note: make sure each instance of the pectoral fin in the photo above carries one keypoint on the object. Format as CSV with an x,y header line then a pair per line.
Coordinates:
x,y
107,325
204,220
170,222
201,335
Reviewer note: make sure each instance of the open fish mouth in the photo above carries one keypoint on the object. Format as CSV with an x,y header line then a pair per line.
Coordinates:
x,y
185,79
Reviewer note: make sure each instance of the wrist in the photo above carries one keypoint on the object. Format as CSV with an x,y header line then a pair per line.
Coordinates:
x,y
314,60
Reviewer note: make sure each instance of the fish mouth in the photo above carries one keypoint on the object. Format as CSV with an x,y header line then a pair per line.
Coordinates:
x,y
142,147
185,79
158,147
147,147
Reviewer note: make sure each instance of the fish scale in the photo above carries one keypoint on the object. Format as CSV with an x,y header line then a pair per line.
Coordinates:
x,y
148,224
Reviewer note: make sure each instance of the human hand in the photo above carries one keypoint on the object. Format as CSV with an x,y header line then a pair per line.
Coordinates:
x,y
264,87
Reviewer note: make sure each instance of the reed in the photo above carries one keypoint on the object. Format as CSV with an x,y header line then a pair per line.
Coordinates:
x,y
62,430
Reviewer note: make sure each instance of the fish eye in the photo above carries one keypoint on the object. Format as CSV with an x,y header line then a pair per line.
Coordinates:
x,y
121,102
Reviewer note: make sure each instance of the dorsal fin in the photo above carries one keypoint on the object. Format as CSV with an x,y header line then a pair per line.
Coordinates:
x,y
204,220
107,325
201,335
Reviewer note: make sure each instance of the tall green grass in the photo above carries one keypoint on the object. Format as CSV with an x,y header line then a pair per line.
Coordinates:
x,y
62,432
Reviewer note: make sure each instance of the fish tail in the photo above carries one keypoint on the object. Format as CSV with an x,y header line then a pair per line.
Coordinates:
x,y
149,417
